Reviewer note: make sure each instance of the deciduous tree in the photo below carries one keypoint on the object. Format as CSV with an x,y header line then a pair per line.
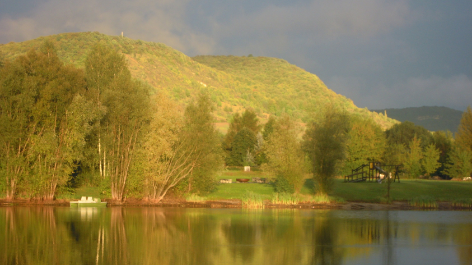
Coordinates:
x,y
285,156
464,132
412,162
366,143
200,135
430,161
459,162
247,120
403,133
127,111
325,142
45,127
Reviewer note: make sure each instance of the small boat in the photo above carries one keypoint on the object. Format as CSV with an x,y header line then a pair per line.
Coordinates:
x,y
88,202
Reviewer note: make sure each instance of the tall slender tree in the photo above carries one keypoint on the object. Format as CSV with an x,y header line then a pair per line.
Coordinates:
x,y
126,102
285,155
413,158
200,135
325,142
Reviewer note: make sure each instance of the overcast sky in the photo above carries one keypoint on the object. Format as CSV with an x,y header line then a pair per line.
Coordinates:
x,y
379,53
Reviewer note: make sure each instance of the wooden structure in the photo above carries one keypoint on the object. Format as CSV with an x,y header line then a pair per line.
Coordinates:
x,y
374,171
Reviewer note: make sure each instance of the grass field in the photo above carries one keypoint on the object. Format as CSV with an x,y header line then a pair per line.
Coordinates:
x,y
406,190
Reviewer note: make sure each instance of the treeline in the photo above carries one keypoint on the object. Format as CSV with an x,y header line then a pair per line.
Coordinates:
x,y
340,142
63,126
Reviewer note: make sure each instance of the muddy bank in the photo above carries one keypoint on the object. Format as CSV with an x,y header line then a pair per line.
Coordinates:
x,y
235,203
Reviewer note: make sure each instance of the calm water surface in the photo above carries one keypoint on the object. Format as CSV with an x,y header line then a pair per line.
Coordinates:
x,y
148,235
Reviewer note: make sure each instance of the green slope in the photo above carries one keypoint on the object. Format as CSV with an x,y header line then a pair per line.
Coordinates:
x,y
269,85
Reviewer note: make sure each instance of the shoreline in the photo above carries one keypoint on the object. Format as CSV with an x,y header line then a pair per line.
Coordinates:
x,y
236,203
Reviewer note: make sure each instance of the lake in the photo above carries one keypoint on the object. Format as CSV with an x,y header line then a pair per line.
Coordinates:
x,y
152,235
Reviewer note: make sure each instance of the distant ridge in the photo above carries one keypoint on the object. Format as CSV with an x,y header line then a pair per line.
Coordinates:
x,y
270,86
432,118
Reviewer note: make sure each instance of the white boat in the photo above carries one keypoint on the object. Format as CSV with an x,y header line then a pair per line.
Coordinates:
x,y
88,202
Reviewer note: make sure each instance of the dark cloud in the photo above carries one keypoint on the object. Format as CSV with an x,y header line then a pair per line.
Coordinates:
x,y
376,52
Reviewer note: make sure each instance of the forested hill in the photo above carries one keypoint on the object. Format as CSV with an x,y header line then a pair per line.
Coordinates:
x,y
432,118
268,85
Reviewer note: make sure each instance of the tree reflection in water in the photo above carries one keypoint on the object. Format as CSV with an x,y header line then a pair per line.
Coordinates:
x,y
151,235
325,241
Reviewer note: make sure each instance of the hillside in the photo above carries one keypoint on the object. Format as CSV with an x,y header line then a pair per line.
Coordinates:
x,y
432,118
271,86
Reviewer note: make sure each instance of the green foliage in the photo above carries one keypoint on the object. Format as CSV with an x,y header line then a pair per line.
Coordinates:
x,y
163,150
404,133
56,117
268,128
325,144
285,157
201,136
413,158
121,128
462,203
252,200
430,160
366,143
282,184
194,198
44,123
243,143
270,85
443,142
285,198
235,156
459,163
464,132
426,202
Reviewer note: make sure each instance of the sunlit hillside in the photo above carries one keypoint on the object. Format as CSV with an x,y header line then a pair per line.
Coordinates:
x,y
268,85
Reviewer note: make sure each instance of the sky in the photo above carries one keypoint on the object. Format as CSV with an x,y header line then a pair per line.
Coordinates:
x,y
379,53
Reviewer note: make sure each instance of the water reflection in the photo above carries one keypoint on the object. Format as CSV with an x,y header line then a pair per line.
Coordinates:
x,y
47,235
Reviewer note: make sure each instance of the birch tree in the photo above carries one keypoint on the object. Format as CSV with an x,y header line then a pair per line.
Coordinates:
x,y
39,144
126,105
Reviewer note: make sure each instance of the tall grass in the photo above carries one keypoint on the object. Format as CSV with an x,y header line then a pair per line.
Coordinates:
x,y
426,202
324,198
462,203
194,198
252,200
285,198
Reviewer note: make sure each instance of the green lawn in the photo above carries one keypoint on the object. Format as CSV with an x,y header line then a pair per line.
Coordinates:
x,y
361,191
442,190
238,190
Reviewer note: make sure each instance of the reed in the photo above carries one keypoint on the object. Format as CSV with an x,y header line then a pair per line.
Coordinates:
x,y
462,203
252,200
425,202
285,198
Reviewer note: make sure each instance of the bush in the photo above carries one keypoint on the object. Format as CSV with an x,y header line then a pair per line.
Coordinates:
x,y
282,185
